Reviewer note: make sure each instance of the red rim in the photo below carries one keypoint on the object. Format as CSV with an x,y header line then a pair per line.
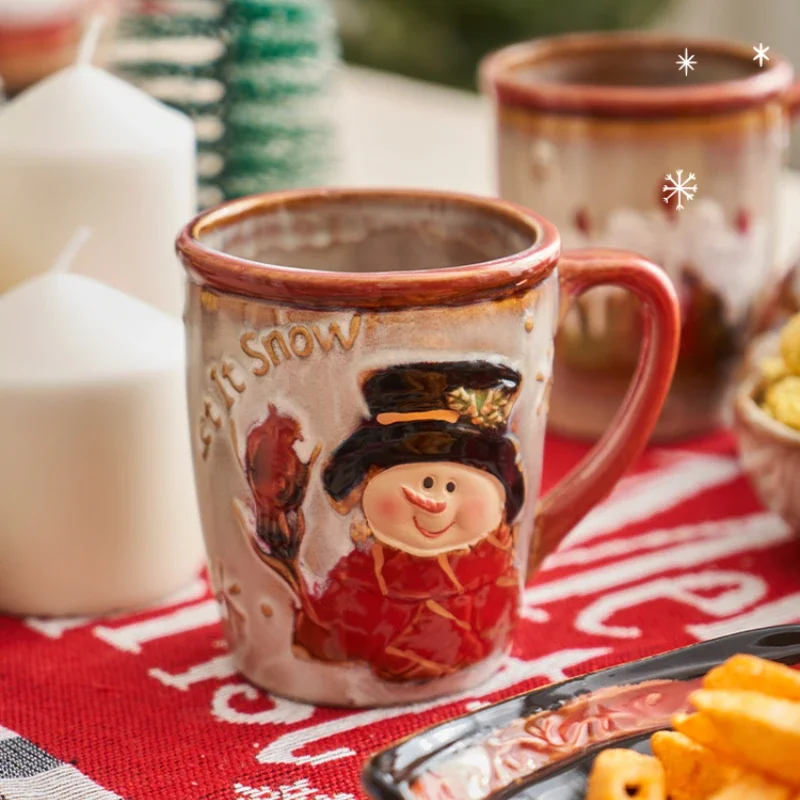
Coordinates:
x,y
309,288
497,75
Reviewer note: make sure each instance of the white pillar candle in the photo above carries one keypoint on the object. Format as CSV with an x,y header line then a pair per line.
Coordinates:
x,y
97,507
86,148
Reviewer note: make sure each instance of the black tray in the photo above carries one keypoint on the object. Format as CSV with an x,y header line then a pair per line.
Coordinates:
x,y
389,774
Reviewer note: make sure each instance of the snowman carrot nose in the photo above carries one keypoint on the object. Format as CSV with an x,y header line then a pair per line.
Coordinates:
x,y
423,501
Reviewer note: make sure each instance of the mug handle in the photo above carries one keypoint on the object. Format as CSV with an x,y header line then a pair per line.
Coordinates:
x,y
594,477
793,100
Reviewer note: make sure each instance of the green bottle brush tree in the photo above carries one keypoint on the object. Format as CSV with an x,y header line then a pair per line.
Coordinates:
x,y
255,75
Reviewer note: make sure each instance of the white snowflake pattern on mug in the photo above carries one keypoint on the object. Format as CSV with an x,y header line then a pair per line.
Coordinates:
x,y
730,259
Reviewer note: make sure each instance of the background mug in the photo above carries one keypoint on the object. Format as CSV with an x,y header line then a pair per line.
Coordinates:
x,y
595,131
368,424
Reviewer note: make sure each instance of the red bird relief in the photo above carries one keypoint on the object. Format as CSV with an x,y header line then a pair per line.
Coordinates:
x,y
278,479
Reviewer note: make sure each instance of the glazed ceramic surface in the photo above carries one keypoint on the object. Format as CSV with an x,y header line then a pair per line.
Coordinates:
x,y
542,744
37,39
368,444
591,131
783,303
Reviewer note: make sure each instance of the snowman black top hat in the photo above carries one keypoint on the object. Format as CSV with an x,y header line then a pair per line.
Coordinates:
x,y
452,411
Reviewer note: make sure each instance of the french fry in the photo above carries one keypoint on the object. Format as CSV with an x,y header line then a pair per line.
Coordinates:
x,y
764,730
741,743
692,772
753,787
751,674
699,728
622,774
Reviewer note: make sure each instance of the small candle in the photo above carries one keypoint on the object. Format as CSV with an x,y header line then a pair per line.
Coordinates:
x,y
98,507
86,148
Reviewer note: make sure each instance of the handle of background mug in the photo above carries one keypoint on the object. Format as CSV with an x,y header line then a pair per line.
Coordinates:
x,y
594,477
793,100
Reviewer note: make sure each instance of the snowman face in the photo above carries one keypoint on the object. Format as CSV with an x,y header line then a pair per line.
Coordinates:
x,y
433,507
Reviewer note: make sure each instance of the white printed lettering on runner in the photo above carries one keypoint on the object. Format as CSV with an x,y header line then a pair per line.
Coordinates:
x,y
294,791
214,669
251,793
283,712
130,638
642,496
719,539
777,612
744,591
534,614
284,750
56,628
611,549
625,546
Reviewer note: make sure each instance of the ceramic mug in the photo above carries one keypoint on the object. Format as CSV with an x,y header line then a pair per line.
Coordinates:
x,y
595,131
368,379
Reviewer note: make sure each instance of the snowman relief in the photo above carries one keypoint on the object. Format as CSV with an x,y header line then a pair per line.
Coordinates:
x,y
433,484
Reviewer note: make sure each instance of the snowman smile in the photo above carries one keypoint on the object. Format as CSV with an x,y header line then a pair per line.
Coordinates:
x,y
432,534
424,502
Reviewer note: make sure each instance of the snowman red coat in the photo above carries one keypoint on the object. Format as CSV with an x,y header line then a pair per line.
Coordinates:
x,y
414,618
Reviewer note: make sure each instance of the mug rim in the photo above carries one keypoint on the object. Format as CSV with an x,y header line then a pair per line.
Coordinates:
x,y
322,289
496,75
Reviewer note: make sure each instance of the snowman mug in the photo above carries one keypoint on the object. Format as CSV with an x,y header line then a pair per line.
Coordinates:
x,y
368,375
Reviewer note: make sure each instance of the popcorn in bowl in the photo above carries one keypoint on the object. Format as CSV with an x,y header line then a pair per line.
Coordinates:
x,y
781,393
790,344
767,421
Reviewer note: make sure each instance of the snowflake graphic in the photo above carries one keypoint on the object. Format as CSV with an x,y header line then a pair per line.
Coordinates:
x,y
680,188
686,62
761,54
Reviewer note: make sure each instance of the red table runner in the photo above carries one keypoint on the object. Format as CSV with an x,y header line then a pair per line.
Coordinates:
x,y
148,705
